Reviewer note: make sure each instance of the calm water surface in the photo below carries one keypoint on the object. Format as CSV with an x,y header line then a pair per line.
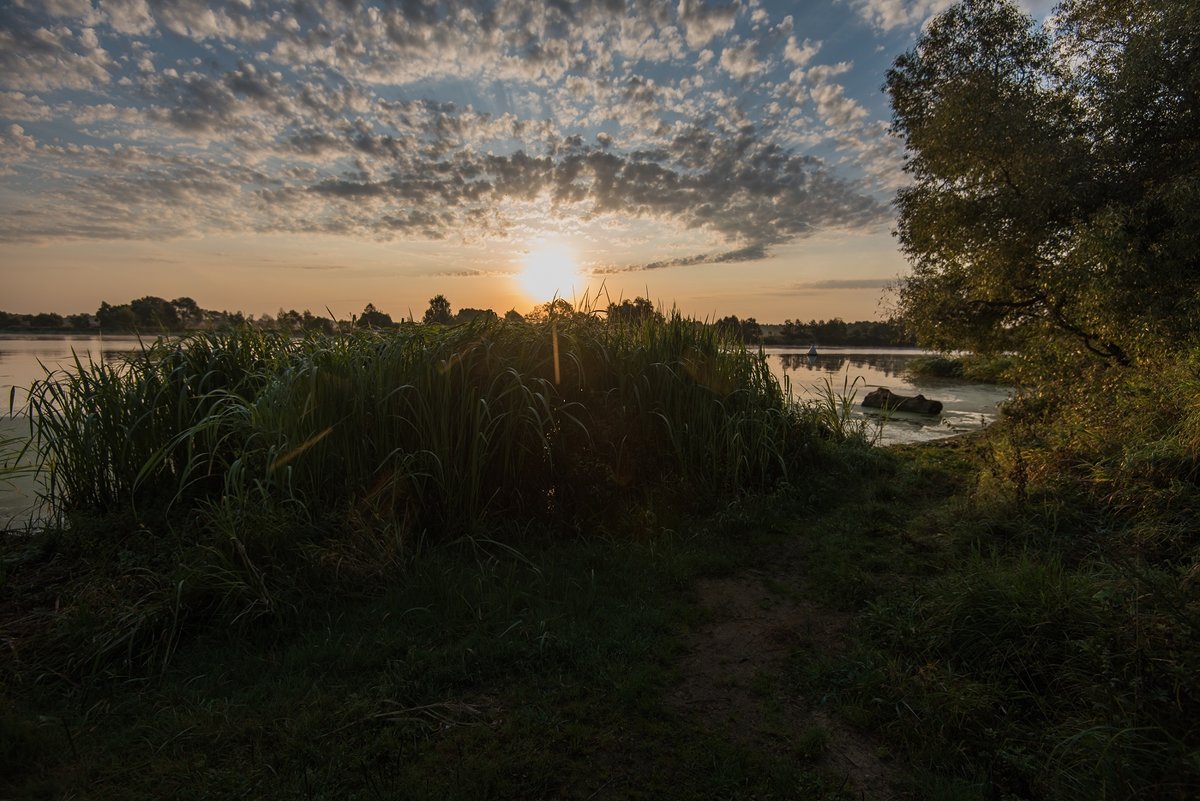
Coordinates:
x,y
23,360
967,407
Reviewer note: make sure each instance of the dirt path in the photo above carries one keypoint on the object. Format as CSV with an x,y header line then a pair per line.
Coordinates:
x,y
735,673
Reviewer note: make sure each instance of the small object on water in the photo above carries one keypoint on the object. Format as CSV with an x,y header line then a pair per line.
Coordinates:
x,y
812,350
884,398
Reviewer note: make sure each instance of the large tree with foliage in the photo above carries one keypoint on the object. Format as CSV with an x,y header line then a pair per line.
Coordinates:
x,y
1056,191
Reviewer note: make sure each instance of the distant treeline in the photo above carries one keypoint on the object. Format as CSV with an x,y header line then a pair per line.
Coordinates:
x,y
820,332
152,314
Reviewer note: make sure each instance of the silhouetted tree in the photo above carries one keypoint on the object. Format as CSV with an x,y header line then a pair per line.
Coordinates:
x,y
747,330
313,323
116,318
80,322
438,311
514,316
154,313
1054,171
632,311
467,315
46,320
373,318
188,312
557,308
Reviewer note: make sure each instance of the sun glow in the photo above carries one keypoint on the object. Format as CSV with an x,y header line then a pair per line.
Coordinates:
x,y
550,270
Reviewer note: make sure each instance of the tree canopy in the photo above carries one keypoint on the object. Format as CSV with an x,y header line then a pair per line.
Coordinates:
x,y
374,318
438,311
637,310
1056,177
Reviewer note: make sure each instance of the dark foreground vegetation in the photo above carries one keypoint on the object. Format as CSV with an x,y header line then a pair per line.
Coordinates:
x,y
385,567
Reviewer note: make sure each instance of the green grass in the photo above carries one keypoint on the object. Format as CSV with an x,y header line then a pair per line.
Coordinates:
x,y
1038,637
483,672
274,620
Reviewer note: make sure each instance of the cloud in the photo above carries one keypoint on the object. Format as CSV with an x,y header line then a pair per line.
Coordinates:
x,y
800,54
751,253
888,15
740,61
48,58
702,22
472,274
20,106
847,283
474,121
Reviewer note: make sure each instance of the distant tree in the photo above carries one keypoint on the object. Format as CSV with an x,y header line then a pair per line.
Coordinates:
x,y
153,313
554,308
373,318
751,330
467,315
46,320
438,311
80,322
514,316
289,321
747,330
116,318
309,322
632,311
10,320
829,332
188,312
730,325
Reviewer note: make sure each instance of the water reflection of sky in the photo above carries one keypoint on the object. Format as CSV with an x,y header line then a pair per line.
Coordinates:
x,y
25,359
854,372
888,364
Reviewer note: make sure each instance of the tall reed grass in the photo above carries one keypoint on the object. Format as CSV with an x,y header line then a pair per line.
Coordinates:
x,y
230,475
424,430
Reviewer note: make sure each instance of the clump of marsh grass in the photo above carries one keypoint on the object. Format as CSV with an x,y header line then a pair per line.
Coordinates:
x,y
834,412
266,466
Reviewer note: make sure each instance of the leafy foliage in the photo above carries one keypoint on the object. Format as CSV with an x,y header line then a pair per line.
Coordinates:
x,y
438,311
1057,178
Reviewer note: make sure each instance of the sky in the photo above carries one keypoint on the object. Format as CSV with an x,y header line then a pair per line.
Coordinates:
x,y
719,157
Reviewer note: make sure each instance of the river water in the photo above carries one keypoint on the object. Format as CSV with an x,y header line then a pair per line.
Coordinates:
x,y
23,360
851,372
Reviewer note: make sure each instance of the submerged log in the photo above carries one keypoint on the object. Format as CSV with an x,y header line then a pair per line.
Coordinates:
x,y
886,399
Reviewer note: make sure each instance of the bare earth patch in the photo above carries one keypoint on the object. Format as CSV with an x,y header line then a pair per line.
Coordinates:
x,y
733,668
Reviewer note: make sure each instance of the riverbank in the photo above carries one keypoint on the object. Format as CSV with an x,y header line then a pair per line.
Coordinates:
x,y
652,661
903,625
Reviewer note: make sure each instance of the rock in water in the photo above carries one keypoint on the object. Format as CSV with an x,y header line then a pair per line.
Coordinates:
x,y
886,399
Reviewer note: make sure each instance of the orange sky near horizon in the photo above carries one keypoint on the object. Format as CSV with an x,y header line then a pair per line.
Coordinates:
x,y
820,278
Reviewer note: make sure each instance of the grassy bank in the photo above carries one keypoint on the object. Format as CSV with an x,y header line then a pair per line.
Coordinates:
x,y
1046,645
228,477
1011,615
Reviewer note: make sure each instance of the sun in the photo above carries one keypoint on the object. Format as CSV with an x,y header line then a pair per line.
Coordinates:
x,y
551,270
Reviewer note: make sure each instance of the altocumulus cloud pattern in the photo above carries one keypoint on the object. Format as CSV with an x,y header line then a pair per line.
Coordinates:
x,y
150,119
